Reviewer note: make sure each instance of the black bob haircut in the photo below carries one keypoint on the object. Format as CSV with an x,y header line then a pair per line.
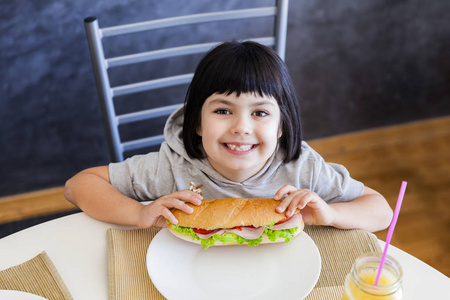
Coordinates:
x,y
243,67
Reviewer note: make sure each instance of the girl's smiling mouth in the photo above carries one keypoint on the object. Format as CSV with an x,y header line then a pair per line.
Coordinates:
x,y
241,148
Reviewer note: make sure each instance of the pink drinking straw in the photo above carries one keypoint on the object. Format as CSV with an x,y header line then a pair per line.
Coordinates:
x,y
391,229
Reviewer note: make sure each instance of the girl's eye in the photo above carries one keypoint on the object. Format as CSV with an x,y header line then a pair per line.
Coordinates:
x,y
222,111
260,113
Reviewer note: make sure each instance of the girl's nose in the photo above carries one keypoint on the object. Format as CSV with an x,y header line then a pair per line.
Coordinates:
x,y
242,126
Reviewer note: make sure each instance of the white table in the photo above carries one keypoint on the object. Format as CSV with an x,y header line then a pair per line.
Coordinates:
x,y
76,244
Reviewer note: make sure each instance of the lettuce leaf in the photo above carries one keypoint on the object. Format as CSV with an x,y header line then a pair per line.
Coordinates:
x,y
286,234
226,238
229,237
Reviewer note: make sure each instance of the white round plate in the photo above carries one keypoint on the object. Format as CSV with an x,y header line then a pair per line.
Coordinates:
x,y
183,270
17,295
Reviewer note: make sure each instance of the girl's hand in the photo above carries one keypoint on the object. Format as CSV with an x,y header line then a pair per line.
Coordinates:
x,y
314,210
155,213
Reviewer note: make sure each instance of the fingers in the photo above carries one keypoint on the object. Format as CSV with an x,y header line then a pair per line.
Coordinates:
x,y
161,208
284,191
178,204
314,210
187,196
156,212
169,216
295,199
179,201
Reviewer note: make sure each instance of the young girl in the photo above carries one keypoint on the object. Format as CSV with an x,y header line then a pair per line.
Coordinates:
x,y
238,135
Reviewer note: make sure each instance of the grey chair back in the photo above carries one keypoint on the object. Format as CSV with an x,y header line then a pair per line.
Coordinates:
x,y
103,65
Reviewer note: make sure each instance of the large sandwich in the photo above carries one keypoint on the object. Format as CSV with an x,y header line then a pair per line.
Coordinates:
x,y
236,221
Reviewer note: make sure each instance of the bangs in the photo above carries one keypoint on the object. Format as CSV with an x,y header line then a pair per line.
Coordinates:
x,y
242,69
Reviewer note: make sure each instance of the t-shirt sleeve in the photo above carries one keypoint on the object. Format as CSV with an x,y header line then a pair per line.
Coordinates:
x,y
122,175
334,184
331,181
142,177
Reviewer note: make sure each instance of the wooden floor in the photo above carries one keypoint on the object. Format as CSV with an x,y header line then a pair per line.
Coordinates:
x,y
34,204
418,153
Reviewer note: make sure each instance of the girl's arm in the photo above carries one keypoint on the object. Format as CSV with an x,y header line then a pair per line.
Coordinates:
x,y
93,193
370,212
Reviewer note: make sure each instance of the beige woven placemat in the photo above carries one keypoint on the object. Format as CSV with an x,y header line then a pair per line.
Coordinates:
x,y
338,250
128,277
37,276
127,269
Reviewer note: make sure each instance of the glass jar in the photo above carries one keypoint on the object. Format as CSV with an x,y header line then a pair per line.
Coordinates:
x,y
359,283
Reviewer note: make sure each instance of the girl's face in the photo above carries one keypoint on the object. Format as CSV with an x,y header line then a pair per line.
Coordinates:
x,y
239,134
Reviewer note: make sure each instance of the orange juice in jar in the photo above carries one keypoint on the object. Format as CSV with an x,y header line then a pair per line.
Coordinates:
x,y
359,283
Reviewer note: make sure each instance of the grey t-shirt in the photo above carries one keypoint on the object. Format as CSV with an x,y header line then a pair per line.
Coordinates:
x,y
151,176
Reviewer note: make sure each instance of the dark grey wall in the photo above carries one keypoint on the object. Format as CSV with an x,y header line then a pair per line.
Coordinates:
x,y
355,64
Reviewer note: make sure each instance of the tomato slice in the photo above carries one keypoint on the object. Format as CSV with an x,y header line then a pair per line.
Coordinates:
x,y
283,221
203,231
240,227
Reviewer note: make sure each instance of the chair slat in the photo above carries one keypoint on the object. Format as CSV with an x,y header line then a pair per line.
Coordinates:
x,y
172,52
147,114
159,54
151,84
142,143
186,20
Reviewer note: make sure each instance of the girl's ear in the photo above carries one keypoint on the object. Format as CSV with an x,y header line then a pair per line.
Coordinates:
x,y
199,130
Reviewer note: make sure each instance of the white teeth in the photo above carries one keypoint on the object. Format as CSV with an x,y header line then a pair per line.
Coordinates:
x,y
239,148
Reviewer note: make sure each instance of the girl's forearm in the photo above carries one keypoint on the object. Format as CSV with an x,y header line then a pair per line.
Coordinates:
x,y
370,212
93,194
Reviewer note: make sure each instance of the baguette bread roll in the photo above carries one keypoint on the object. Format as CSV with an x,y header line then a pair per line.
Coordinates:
x,y
230,212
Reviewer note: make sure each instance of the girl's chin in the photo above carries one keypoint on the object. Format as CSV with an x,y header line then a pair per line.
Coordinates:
x,y
240,169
